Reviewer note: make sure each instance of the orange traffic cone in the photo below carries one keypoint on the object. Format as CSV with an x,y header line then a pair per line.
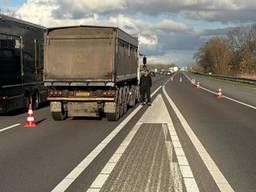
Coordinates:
x,y
197,84
30,123
193,81
219,94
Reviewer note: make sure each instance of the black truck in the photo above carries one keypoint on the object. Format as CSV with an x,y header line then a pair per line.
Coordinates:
x,y
21,64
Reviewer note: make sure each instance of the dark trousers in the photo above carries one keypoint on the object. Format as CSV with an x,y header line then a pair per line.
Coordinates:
x,y
145,93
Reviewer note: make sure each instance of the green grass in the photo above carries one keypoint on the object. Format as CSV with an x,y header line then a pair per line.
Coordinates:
x,y
233,81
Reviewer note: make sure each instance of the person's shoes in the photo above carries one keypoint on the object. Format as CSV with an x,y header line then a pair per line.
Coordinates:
x,y
149,104
143,103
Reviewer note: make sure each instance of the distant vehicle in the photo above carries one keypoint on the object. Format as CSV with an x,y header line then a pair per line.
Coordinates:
x,y
21,64
173,69
91,70
168,73
152,73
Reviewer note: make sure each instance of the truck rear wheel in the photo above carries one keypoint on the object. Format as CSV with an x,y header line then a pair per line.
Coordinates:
x,y
59,116
121,102
119,109
112,116
132,96
35,100
125,100
57,110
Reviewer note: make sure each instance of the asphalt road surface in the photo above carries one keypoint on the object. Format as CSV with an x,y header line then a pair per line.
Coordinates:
x,y
188,140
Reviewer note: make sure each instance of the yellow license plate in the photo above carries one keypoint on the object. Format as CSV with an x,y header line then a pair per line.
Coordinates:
x,y
83,94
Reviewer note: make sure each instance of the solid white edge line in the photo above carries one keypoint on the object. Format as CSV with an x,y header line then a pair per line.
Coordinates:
x,y
73,175
229,98
186,172
10,127
218,177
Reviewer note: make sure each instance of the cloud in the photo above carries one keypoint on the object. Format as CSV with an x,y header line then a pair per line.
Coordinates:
x,y
234,11
181,58
148,41
170,25
209,10
150,32
156,38
41,12
157,23
81,8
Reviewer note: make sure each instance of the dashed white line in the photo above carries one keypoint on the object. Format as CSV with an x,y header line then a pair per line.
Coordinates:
x,y
218,177
10,127
74,174
229,98
170,79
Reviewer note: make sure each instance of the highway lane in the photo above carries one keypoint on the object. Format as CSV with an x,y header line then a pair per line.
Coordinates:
x,y
38,159
225,128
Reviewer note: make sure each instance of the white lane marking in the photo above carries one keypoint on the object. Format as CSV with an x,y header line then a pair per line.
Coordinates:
x,y
174,167
157,113
73,175
218,177
170,79
229,98
185,169
10,127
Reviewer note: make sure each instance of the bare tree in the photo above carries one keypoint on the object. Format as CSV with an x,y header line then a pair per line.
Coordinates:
x,y
214,56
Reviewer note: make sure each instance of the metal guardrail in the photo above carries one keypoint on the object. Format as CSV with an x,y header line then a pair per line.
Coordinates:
x,y
229,78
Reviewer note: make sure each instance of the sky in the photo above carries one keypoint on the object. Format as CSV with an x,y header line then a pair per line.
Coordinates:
x,y
169,31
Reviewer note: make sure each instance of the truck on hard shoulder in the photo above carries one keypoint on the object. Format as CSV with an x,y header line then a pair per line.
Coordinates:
x,y
21,64
91,70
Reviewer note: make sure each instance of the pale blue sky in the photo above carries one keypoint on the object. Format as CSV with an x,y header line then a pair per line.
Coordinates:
x,y
11,3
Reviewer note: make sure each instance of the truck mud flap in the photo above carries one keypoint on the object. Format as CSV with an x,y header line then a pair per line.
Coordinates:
x,y
110,107
56,106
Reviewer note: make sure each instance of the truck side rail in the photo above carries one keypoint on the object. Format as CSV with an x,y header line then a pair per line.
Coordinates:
x,y
50,83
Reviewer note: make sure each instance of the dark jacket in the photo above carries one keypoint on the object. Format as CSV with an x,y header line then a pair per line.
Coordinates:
x,y
145,81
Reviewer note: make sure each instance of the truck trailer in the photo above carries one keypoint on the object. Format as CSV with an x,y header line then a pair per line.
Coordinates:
x,y
21,64
90,70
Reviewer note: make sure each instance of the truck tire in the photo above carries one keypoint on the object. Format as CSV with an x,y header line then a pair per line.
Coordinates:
x,y
59,116
121,103
115,116
137,93
132,97
58,112
112,116
125,100
35,100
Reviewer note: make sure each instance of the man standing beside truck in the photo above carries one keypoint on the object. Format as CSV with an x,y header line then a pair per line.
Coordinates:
x,y
145,85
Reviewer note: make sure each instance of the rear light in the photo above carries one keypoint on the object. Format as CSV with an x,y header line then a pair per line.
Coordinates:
x,y
71,93
3,97
109,93
55,93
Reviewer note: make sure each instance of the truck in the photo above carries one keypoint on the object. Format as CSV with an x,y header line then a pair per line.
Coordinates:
x,y
21,64
90,71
